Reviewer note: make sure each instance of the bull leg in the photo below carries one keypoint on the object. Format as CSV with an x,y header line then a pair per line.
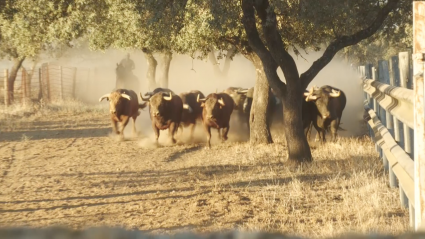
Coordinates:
x,y
134,126
321,133
208,129
172,130
307,131
156,131
334,129
219,133
114,127
192,130
123,124
225,132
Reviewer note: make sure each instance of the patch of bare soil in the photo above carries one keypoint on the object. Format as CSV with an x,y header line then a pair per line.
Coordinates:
x,y
64,168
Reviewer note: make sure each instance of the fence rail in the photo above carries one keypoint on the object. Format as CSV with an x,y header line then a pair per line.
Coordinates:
x,y
390,115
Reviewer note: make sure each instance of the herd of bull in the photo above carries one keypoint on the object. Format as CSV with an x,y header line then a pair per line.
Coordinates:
x,y
322,108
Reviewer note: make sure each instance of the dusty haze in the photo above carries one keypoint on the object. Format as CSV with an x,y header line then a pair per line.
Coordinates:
x,y
96,76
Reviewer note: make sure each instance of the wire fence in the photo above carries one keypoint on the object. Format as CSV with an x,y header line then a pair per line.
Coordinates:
x,y
50,82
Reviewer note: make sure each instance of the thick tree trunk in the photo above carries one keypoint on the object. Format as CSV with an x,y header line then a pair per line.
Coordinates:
x,y
296,141
165,69
259,120
150,74
17,63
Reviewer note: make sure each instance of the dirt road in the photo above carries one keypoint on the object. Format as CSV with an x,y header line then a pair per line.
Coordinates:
x,y
65,169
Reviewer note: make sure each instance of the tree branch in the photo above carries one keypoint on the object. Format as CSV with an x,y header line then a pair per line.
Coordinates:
x,y
269,64
274,41
345,41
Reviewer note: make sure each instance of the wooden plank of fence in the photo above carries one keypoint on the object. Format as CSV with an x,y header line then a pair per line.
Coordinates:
x,y
419,110
6,88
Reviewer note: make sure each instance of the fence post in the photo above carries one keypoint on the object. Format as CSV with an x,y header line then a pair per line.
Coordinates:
x,y
74,82
6,88
418,113
404,62
24,86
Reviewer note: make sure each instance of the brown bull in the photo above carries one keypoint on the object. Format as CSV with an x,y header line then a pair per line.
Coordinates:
x,y
192,110
123,104
217,109
165,110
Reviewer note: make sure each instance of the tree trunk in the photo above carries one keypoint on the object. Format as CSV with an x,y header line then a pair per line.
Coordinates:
x,y
17,63
150,74
259,120
213,60
229,56
296,141
165,69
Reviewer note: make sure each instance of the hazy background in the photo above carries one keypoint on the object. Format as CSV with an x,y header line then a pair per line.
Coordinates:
x,y
96,76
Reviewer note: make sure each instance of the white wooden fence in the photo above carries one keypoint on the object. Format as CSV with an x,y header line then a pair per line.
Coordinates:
x,y
395,112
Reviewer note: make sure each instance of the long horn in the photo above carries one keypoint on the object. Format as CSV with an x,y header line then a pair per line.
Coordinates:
x,y
124,95
144,99
242,91
221,102
104,96
150,93
168,98
199,100
335,93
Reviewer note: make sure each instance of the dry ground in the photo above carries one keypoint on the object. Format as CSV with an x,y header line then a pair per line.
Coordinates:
x,y
59,166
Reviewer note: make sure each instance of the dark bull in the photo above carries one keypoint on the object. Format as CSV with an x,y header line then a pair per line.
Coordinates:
x,y
165,110
217,109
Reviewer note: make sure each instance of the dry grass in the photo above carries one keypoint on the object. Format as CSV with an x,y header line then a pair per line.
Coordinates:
x,y
62,170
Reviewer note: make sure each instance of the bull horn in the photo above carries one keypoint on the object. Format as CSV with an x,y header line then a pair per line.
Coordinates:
x,y
310,97
144,99
149,93
168,98
187,107
104,96
221,102
306,93
124,95
242,91
199,100
335,93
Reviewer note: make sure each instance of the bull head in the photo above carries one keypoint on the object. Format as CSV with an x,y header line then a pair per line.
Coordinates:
x,y
335,93
106,96
145,99
167,98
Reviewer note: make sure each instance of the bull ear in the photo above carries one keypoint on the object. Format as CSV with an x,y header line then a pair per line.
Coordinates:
x,y
221,102
124,95
105,96
203,104
306,93
335,93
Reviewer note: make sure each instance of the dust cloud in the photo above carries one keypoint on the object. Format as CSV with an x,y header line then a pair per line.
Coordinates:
x,y
96,76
